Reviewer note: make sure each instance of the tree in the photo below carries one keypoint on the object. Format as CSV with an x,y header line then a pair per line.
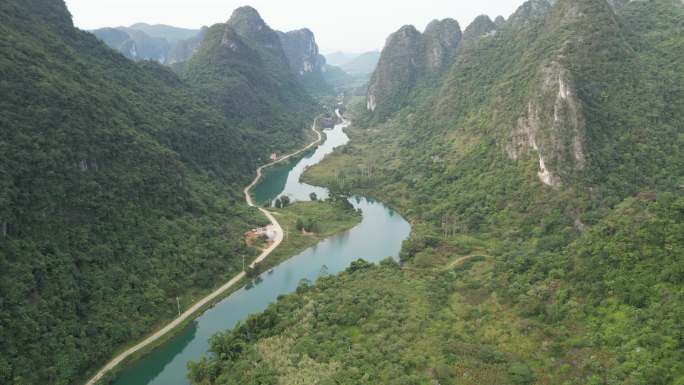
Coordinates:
x,y
310,225
285,201
520,373
278,204
359,264
313,197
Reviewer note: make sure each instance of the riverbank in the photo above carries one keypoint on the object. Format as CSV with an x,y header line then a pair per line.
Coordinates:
x,y
218,294
330,219
379,235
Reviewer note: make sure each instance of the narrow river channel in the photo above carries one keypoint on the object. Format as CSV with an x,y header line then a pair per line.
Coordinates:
x,y
379,235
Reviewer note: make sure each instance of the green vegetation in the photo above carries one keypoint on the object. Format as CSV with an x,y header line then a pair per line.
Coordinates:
x,y
120,190
282,202
582,280
241,67
325,218
509,319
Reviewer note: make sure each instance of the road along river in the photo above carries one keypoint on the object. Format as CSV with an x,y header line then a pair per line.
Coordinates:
x,y
379,235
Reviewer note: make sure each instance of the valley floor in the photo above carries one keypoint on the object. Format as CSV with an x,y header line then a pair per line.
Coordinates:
x,y
331,220
469,307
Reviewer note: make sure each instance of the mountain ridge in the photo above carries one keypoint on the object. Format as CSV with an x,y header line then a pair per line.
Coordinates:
x,y
121,190
542,176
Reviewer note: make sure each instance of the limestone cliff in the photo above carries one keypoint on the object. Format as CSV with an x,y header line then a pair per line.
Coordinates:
x,y
554,125
481,27
409,58
302,51
305,61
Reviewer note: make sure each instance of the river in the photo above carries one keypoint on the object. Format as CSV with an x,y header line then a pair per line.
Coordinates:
x,y
379,235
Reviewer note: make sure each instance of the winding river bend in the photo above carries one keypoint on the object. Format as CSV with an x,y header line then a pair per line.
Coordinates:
x,y
379,235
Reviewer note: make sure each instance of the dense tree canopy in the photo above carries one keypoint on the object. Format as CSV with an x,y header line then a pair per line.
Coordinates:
x,y
120,189
507,277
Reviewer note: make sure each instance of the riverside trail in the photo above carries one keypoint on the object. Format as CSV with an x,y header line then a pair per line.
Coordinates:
x,y
194,309
379,235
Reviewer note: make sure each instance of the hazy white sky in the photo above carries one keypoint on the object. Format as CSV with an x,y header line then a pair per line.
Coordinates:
x,y
347,25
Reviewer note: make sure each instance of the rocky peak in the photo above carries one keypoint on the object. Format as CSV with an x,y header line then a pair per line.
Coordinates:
x,y
409,58
499,21
553,127
247,15
399,65
448,31
530,10
404,36
231,40
248,23
302,51
53,13
441,42
482,26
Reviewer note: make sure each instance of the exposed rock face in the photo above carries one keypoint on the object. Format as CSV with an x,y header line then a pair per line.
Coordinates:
x,y
482,26
293,52
231,41
553,126
138,45
499,21
530,10
441,41
408,57
185,49
398,65
302,51
248,23
244,69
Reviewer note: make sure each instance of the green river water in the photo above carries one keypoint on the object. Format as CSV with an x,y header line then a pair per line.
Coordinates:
x,y
379,235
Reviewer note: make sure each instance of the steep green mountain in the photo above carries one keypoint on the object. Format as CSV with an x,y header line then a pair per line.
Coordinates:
x,y
174,46
542,173
120,191
410,60
242,67
305,61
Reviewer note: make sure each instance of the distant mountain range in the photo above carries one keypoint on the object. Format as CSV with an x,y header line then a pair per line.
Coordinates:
x,y
354,63
172,45
168,32
162,43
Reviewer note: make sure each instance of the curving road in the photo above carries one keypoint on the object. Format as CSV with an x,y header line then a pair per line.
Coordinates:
x,y
216,293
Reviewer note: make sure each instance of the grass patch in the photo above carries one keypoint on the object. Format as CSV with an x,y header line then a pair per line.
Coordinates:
x,y
330,218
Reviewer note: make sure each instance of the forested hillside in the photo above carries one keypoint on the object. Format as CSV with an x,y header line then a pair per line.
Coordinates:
x,y
241,66
120,190
542,172
480,321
